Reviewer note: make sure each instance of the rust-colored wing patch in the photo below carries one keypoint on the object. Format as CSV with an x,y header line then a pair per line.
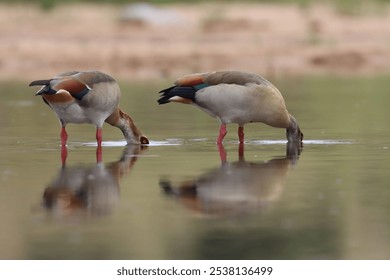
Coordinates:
x,y
76,88
71,85
190,80
58,98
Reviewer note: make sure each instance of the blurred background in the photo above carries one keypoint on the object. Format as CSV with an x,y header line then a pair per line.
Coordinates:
x,y
158,39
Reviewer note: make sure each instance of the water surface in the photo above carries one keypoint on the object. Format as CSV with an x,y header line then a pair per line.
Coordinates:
x,y
183,197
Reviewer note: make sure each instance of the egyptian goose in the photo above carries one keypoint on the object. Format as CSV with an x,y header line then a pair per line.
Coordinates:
x,y
94,189
88,97
235,188
234,97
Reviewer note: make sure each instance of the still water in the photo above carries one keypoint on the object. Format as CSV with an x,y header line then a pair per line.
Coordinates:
x,y
180,199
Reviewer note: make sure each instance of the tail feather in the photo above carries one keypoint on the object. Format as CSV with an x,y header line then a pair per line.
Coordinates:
x,y
183,92
46,88
39,83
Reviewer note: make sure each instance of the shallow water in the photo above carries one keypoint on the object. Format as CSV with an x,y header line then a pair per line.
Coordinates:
x,y
176,199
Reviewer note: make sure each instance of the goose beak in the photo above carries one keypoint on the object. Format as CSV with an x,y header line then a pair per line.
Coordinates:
x,y
144,140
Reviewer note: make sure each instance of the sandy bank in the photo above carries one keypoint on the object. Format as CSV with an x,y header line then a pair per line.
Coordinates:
x,y
267,39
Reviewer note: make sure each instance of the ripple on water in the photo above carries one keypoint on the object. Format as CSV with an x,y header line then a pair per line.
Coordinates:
x,y
178,141
168,142
306,142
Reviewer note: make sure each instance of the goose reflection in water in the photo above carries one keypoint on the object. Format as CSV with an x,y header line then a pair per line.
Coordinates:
x,y
90,189
235,188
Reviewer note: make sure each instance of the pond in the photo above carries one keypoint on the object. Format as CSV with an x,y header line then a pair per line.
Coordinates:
x,y
176,198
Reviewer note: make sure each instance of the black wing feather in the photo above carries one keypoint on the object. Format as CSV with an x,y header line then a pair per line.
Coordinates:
x,y
39,83
185,92
46,89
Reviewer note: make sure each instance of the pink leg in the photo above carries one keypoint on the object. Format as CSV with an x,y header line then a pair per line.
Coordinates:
x,y
64,154
99,138
241,134
241,150
99,154
222,153
64,136
222,133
